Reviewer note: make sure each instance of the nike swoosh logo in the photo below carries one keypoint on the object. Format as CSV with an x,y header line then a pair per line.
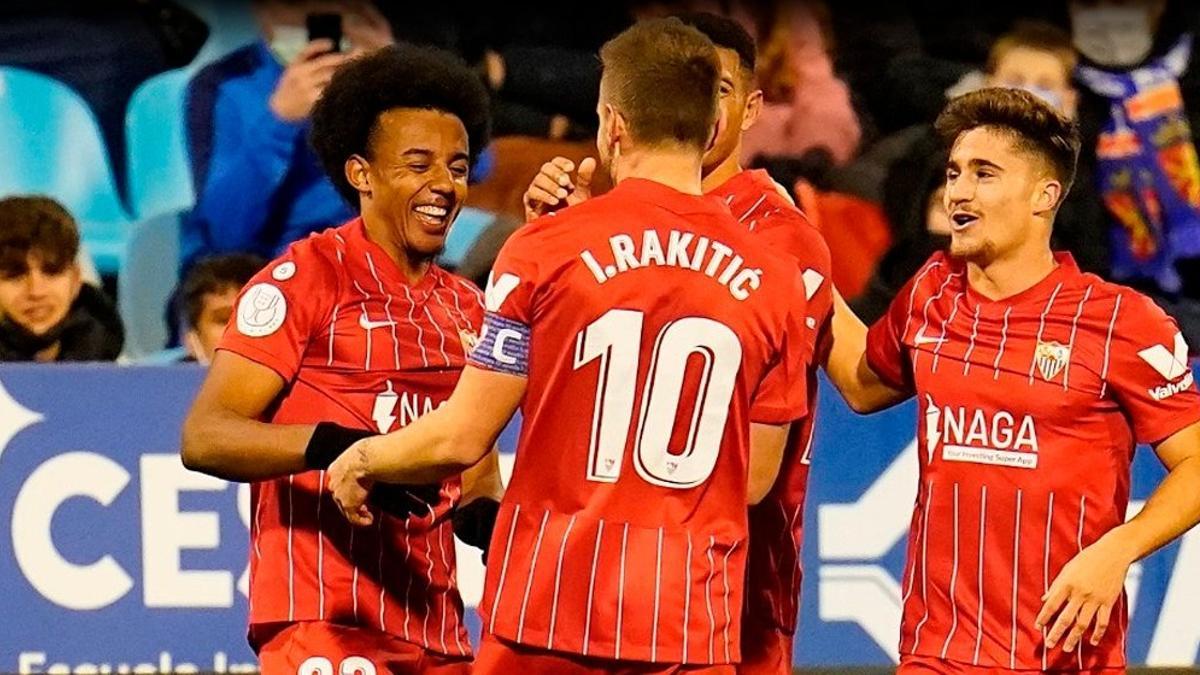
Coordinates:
x,y
924,340
367,324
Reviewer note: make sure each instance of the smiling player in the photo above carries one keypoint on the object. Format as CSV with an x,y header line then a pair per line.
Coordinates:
x,y
351,332
1035,382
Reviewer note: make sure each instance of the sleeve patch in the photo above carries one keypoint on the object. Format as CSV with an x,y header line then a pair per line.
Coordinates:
x,y
261,311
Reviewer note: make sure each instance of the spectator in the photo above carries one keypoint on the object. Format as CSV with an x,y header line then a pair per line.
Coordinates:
x,y
47,313
806,106
207,296
899,58
259,186
1141,101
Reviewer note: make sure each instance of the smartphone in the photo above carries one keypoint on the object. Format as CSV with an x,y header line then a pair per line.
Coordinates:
x,y
326,26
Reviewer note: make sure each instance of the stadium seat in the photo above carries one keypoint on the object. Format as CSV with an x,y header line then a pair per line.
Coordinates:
x,y
230,24
51,145
159,175
147,279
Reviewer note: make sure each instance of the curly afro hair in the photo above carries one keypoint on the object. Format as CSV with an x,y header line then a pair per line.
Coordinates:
x,y
399,76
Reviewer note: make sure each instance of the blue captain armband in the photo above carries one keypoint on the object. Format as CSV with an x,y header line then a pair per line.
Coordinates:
x,y
503,346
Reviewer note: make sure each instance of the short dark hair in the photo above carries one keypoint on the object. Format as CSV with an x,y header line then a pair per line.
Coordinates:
x,y
1036,35
214,274
724,33
38,225
663,76
398,76
1034,125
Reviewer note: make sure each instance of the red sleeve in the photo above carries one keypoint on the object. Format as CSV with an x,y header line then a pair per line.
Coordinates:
x,y
504,341
513,278
1148,371
886,352
782,394
790,232
287,304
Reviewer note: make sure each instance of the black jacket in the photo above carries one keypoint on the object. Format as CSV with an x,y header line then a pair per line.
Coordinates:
x,y
92,331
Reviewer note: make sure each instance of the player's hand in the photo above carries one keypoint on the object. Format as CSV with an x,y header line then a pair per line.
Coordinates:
x,y
304,79
474,523
348,484
553,186
1084,593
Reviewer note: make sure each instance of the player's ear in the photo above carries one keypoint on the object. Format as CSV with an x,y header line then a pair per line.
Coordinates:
x,y
717,129
195,348
1046,196
618,126
754,104
357,174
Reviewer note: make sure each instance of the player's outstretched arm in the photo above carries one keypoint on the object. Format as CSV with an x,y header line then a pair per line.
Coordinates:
x,y
436,446
1088,587
553,188
222,435
847,367
767,445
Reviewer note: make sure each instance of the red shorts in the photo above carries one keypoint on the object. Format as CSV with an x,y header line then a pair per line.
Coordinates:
x,y
498,657
766,650
321,648
927,665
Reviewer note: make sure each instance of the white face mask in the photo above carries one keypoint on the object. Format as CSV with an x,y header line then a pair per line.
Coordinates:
x,y
1112,35
288,41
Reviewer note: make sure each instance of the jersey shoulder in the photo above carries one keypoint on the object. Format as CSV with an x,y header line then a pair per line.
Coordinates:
x,y
1134,316
317,258
932,275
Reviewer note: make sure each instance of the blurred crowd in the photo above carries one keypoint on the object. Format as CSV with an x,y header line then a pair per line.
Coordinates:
x,y
851,90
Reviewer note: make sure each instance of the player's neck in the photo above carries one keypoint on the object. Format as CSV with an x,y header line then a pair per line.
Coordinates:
x,y
412,268
675,169
1008,276
723,172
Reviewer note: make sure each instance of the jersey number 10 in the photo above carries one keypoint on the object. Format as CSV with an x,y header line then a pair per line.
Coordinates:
x,y
616,340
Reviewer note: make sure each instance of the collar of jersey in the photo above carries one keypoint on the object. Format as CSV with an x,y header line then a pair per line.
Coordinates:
x,y
357,240
665,196
1065,269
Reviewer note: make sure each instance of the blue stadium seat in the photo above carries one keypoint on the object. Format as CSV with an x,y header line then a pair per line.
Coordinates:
x,y
50,144
230,25
148,277
160,179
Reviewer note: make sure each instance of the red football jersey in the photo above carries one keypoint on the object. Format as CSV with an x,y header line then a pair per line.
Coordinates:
x,y
777,523
653,330
1030,408
359,346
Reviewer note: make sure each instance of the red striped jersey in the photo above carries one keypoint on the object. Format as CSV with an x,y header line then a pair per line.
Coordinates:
x,y
777,523
1029,411
360,346
653,329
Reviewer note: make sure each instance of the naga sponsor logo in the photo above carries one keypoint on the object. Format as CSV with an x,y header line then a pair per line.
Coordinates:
x,y
403,406
1169,389
972,435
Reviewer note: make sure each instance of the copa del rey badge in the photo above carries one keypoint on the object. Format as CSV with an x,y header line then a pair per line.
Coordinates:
x,y
1051,358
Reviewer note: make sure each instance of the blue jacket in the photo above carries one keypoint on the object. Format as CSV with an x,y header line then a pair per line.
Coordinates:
x,y
259,185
